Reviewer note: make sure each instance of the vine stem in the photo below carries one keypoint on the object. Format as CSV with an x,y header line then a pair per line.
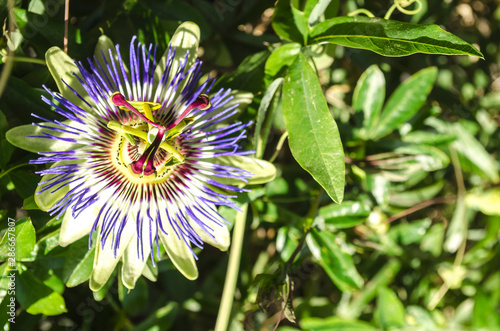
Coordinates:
x,y
9,63
13,168
361,11
279,146
232,271
26,59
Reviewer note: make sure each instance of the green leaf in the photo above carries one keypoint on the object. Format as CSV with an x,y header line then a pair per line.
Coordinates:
x,y
321,57
288,22
261,138
390,311
390,38
249,76
287,241
404,103
413,197
36,297
421,317
182,11
25,182
19,241
378,186
469,149
281,58
337,264
334,323
491,100
162,318
313,134
134,301
485,315
488,202
457,229
345,215
412,232
428,138
383,278
433,240
54,282
369,96
429,158
78,263
29,203
19,100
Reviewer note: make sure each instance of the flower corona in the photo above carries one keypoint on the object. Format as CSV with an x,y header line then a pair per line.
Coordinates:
x,y
138,165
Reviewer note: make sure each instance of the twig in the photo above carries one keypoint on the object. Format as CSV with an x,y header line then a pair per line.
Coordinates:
x,y
66,23
422,205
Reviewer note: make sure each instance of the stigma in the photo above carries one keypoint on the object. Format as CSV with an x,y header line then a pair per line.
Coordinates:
x,y
154,136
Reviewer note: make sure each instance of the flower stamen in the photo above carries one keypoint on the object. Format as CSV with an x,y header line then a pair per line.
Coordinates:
x,y
202,102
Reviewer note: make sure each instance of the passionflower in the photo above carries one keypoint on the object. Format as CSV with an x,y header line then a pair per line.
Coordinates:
x,y
142,158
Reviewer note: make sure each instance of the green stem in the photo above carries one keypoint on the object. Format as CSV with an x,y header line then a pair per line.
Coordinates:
x,y
13,168
26,59
232,271
389,12
279,146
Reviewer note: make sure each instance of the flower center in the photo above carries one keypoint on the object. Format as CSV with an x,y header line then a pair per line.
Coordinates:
x,y
153,137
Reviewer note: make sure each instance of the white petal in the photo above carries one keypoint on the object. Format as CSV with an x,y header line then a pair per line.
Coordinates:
x,y
104,260
178,250
73,229
221,234
220,237
133,263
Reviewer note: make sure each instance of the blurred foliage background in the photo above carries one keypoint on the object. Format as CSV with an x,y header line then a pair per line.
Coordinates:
x,y
414,245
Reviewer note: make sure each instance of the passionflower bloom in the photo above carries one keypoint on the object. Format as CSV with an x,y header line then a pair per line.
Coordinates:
x,y
142,158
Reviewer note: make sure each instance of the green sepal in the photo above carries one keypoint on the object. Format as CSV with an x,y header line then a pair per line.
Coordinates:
x,y
62,67
21,136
